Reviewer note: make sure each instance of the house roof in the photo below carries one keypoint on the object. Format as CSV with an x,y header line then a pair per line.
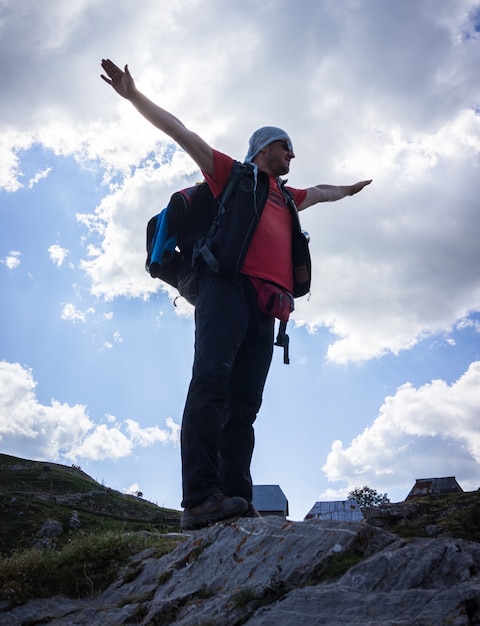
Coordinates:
x,y
434,486
270,498
340,510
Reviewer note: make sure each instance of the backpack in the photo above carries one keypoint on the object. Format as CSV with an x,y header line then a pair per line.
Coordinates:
x,y
173,234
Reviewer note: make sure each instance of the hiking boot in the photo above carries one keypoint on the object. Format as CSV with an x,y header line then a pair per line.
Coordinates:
x,y
215,508
252,511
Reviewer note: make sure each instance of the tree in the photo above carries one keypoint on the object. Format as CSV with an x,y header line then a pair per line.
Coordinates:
x,y
366,496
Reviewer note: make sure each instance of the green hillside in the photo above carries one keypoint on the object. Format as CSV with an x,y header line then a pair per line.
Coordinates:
x,y
32,492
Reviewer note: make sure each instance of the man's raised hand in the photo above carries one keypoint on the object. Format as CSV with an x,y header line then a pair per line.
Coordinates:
x,y
120,80
359,186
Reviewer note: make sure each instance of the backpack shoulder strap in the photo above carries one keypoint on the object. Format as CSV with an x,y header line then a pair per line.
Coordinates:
x,y
203,250
238,171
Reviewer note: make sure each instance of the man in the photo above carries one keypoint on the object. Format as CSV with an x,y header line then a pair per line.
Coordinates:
x,y
233,336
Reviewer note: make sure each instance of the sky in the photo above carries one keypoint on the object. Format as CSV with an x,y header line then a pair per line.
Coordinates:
x,y
95,360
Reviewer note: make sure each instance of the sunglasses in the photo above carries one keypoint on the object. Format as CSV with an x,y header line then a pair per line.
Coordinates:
x,y
286,145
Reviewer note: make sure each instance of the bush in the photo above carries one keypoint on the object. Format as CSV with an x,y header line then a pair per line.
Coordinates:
x,y
366,496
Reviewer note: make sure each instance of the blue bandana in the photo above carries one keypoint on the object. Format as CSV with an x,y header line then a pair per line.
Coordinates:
x,y
263,137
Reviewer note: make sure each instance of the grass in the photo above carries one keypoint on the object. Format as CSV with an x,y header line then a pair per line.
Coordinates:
x,y
242,597
338,564
86,565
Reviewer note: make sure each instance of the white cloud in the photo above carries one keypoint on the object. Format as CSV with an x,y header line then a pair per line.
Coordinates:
x,y
11,143
39,176
132,490
50,430
12,260
70,313
468,323
117,339
117,266
427,432
102,443
383,265
60,431
148,436
57,254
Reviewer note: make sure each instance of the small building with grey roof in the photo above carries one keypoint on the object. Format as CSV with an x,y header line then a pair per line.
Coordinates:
x,y
270,500
434,487
339,510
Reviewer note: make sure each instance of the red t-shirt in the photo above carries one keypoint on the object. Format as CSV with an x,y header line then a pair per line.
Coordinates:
x,y
270,253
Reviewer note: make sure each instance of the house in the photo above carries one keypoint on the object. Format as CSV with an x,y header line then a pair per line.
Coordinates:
x,y
270,500
339,510
434,487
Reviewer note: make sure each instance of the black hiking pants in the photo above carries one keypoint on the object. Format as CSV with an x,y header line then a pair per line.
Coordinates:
x,y
233,352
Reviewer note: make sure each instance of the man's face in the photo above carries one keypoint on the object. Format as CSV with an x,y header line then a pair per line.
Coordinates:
x,y
278,156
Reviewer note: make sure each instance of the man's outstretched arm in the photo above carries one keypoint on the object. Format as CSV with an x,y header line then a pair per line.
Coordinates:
x,y
124,85
330,193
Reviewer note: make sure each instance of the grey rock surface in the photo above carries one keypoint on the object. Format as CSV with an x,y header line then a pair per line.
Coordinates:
x,y
268,571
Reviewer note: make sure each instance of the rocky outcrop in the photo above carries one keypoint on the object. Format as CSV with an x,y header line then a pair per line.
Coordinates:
x,y
47,535
451,515
269,572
